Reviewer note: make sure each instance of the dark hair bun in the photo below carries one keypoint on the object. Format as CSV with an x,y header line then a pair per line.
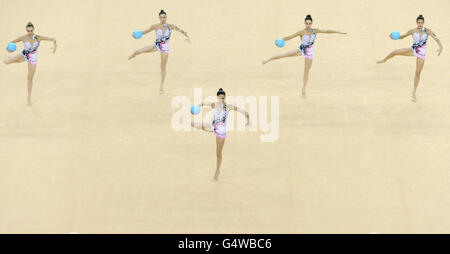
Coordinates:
x,y
162,12
308,17
420,17
221,91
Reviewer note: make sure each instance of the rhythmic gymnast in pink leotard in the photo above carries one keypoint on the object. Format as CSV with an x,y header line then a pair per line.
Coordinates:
x,y
420,36
31,43
219,124
308,36
161,44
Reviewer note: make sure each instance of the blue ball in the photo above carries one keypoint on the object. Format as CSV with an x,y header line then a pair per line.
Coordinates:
x,y
137,34
395,35
12,47
280,43
195,109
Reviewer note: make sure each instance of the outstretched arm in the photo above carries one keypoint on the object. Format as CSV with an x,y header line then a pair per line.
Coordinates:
x,y
291,36
45,38
233,107
19,39
16,40
404,35
146,31
434,36
176,28
206,104
328,31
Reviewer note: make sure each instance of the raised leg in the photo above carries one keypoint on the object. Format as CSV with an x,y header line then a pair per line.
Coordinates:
x,y
398,52
200,126
148,49
15,59
290,53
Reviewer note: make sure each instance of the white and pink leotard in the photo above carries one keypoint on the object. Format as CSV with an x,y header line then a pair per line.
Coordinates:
x,y
29,51
162,39
307,45
219,124
419,46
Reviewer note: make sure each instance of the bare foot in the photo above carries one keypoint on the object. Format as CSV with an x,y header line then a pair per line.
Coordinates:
x,y
413,98
265,61
161,91
380,61
303,94
216,177
132,56
29,101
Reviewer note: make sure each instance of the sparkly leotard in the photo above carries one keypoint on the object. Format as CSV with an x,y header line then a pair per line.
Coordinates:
x,y
219,124
419,46
29,51
162,39
307,45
